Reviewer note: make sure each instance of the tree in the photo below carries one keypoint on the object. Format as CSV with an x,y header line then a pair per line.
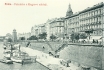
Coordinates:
x,y
83,36
33,38
10,40
43,35
77,36
52,37
74,36
22,38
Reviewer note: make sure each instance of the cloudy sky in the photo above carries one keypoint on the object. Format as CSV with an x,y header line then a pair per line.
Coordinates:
x,y
23,17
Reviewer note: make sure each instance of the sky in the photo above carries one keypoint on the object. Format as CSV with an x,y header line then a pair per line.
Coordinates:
x,y
23,17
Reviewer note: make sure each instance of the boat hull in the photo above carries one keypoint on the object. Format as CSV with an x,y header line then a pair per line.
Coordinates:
x,y
6,61
16,60
21,60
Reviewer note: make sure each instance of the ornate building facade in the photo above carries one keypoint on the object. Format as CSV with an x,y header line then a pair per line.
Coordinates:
x,y
41,29
86,20
34,30
55,27
38,29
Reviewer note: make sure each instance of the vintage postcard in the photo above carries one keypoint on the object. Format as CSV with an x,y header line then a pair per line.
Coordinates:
x,y
52,35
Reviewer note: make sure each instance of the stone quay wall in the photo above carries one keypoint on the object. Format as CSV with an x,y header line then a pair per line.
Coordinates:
x,y
87,55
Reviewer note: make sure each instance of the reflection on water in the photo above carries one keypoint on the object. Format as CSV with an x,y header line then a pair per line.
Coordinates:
x,y
18,66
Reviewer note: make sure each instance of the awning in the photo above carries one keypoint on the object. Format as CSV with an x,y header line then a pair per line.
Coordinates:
x,y
85,66
96,37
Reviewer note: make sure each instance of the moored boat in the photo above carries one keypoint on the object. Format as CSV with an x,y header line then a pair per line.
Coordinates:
x,y
20,57
6,60
16,55
16,59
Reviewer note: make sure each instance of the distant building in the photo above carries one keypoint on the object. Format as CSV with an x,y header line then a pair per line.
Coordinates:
x,y
14,35
2,38
8,35
38,29
48,29
26,35
41,28
33,30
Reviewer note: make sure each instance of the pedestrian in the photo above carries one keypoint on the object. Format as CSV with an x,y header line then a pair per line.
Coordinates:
x,y
97,41
93,41
43,48
28,44
22,62
19,47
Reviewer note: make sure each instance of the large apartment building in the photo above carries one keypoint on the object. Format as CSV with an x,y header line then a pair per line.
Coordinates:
x,y
89,19
38,29
55,27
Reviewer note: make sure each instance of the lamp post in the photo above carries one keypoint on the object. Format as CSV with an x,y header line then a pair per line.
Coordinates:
x,y
11,50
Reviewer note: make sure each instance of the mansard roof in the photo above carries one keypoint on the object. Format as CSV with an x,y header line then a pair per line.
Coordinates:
x,y
94,7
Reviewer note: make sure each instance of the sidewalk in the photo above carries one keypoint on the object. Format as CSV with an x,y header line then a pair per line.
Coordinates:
x,y
47,60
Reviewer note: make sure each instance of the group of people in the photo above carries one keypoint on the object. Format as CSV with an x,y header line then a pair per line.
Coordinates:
x,y
95,41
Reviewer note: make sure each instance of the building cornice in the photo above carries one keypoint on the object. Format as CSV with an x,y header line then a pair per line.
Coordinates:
x,y
87,9
94,7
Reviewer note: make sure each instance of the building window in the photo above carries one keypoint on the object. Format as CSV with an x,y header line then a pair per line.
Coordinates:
x,y
94,33
60,23
98,11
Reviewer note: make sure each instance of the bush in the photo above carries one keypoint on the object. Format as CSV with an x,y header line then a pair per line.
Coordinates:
x,y
33,38
43,35
83,36
53,37
22,38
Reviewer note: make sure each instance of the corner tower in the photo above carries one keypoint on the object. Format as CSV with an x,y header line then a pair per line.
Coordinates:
x,y
69,11
14,35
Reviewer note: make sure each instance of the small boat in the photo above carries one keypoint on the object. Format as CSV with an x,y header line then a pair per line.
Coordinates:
x,y
6,60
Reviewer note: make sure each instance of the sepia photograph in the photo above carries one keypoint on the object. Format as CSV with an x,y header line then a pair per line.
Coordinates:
x,y
52,35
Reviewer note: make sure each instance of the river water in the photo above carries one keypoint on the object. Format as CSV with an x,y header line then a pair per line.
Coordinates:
x,y
18,66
